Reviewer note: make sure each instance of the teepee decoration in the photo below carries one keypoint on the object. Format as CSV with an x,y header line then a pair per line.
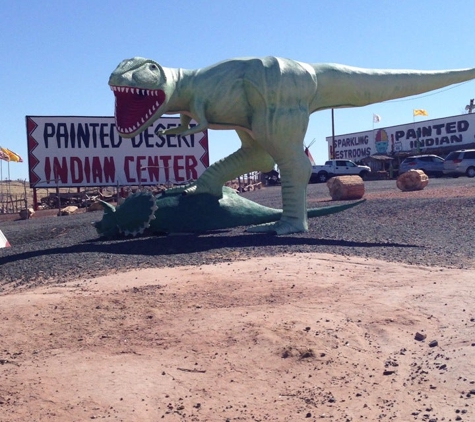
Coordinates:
x,y
307,152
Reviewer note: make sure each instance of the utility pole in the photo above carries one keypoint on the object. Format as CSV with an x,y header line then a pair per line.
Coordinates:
x,y
333,134
470,107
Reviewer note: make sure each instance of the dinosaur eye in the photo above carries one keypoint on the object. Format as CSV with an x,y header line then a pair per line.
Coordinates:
x,y
153,67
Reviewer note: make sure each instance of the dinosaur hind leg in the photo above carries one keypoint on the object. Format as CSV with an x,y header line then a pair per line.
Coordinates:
x,y
250,157
283,137
295,171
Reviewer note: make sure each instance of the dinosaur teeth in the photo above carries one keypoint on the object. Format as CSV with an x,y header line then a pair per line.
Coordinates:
x,y
135,91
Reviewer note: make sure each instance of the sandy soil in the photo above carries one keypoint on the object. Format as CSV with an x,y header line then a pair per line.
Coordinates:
x,y
302,337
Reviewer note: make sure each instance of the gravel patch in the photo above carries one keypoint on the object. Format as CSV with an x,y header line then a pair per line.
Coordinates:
x,y
433,227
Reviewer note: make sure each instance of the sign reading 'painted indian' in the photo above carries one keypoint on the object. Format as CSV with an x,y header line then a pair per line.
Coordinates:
x,y
430,136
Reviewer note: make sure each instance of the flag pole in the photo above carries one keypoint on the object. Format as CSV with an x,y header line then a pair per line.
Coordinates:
x,y
414,127
8,181
333,134
372,132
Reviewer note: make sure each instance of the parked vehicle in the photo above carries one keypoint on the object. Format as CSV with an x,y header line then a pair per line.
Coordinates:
x,y
430,164
271,178
337,168
459,163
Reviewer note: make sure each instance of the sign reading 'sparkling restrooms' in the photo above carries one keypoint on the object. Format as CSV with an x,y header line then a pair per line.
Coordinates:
x,y
88,151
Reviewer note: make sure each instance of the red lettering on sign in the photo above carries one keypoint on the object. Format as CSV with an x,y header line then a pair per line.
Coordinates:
x,y
87,170
160,168
139,166
178,168
74,170
190,167
77,172
60,169
96,170
128,160
166,165
109,169
153,168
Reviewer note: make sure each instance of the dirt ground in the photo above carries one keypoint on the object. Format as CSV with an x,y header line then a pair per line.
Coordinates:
x,y
301,337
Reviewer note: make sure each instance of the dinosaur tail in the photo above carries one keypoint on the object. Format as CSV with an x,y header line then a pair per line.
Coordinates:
x,y
346,86
332,209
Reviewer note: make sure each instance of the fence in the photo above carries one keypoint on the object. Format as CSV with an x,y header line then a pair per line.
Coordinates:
x,y
17,195
12,204
13,197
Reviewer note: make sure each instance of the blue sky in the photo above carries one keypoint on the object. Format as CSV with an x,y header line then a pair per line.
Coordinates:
x,y
57,55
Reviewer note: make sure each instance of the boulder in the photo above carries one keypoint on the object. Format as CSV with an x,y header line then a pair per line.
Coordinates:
x,y
412,180
71,209
346,187
27,213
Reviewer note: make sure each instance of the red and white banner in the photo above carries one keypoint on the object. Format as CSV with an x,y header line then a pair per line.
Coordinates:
x,y
87,151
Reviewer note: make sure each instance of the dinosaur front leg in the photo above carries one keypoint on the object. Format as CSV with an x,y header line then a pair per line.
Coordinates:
x,y
250,157
184,129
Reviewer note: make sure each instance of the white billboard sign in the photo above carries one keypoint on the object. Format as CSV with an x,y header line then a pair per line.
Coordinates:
x,y
455,132
88,151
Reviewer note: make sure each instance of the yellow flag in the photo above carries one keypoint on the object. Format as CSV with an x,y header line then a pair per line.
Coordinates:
x,y
420,112
12,155
4,155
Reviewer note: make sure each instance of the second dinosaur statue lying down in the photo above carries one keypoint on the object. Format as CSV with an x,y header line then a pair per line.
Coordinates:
x,y
173,212
268,102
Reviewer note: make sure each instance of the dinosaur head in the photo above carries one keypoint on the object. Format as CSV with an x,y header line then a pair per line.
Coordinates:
x,y
141,94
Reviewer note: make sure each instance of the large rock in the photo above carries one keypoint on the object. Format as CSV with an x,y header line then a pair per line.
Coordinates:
x,y
346,187
71,209
412,180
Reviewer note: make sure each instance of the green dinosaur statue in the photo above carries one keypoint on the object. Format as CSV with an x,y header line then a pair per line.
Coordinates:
x,y
173,212
268,102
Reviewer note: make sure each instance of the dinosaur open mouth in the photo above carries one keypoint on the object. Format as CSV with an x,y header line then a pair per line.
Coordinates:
x,y
134,107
